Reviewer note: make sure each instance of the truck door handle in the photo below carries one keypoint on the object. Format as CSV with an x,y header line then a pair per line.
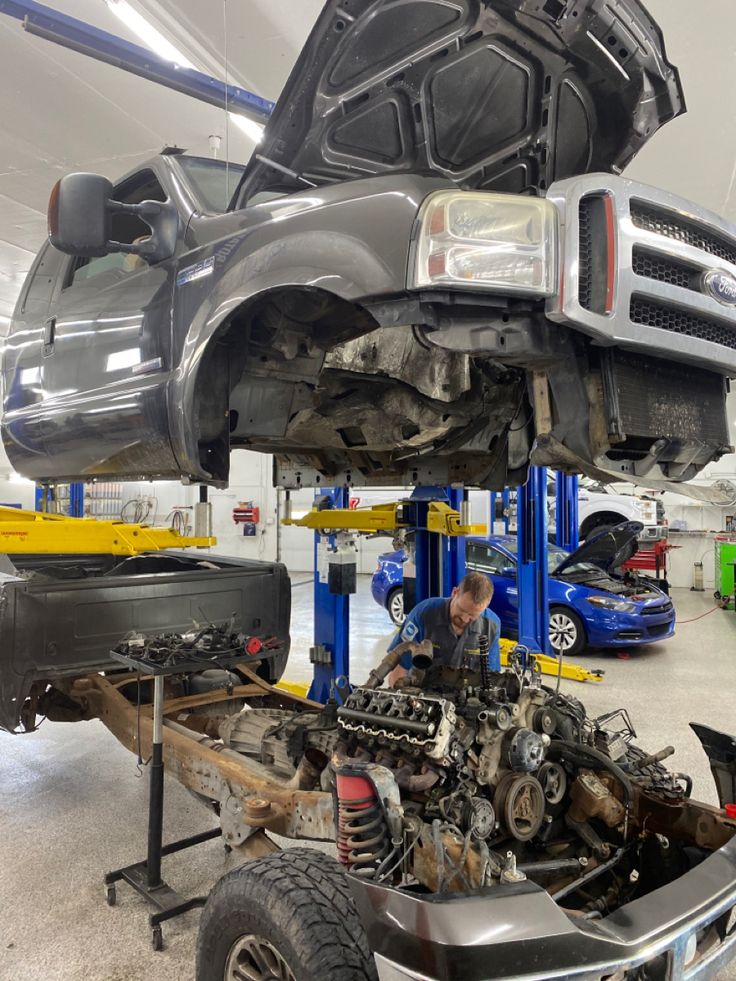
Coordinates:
x,y
49,336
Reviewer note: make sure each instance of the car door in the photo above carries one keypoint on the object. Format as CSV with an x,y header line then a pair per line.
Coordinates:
x,y
501,570
107,353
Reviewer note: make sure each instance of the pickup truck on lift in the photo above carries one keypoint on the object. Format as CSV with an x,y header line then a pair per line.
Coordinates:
x,y
430,271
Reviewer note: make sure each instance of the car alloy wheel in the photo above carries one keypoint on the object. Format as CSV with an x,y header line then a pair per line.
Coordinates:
x,y
564,632
396,607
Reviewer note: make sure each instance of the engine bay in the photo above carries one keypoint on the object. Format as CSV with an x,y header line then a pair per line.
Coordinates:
x,y
461,780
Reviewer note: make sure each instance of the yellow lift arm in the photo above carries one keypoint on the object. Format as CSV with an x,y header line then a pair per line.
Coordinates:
x,y
31,532
550,665
441,518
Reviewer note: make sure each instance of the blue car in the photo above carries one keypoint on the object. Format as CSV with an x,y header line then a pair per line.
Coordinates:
x,y
589,605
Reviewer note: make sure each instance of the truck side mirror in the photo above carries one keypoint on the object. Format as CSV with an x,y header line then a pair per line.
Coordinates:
x,y
80,213
79,216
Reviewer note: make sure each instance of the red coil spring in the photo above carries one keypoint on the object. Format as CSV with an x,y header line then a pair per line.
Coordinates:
x,y
363,841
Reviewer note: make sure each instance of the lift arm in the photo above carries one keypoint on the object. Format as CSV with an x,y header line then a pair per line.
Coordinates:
x,y
441,519
30,532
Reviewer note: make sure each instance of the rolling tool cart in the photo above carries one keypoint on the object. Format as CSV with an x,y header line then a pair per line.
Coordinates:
x,y
725,559
652,557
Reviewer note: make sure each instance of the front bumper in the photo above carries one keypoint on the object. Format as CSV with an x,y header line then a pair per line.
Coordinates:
x,y
625,630
518,931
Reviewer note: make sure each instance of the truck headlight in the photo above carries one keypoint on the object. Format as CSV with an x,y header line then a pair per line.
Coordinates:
x,y
503,242
611,603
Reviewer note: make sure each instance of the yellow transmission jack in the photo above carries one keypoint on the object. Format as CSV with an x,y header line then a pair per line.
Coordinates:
x,y
31,532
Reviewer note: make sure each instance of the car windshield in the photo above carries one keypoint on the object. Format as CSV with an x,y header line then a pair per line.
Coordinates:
x,y
213,181
555,557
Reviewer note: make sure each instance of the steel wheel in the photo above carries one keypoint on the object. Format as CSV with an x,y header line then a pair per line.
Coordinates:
x,y
252,958
395,606
566,634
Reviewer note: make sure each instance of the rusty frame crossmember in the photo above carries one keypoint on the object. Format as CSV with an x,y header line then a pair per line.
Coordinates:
x,y
249,798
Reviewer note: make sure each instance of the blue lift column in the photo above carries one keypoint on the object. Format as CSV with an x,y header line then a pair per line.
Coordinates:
x,y
76,500
454,546
532,580
566,511
330,655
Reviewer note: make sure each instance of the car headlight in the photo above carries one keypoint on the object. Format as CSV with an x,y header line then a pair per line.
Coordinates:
x,y
504,242
611,603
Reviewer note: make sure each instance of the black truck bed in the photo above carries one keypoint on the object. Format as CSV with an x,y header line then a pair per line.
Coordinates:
x,y
61,614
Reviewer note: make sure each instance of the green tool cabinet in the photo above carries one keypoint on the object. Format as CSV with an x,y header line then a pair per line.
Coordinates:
x,y
725,557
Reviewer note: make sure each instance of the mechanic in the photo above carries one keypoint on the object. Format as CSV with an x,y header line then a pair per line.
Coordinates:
x,y
454,626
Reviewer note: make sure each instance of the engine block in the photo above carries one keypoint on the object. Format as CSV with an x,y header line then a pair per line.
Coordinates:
x,y
424,723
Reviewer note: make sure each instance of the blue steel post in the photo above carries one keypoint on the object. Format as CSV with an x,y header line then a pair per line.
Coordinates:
x,y
453,547
566,511
531,521
76,500
331,614
432,567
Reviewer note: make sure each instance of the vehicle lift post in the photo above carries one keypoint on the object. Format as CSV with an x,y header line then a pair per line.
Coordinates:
x,y
566,511
532,573
439,562
330,654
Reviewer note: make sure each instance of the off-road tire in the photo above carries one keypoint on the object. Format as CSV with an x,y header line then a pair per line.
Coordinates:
x,y
299,902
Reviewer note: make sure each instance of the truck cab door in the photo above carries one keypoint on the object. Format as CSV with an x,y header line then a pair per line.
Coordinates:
x,y
107,354
24,363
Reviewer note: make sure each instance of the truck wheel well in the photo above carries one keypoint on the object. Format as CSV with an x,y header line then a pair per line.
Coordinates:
x,y
279,325
601,519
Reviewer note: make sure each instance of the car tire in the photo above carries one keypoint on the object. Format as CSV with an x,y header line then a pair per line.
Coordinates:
x,y
289,915
395,606
566,631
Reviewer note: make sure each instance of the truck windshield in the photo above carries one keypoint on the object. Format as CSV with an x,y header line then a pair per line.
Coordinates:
x,y
213,181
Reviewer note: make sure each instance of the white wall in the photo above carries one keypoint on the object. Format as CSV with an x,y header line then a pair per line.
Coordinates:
x,y
250,480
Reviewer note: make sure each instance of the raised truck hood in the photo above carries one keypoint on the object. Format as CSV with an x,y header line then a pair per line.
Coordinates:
x,y
607,549
503,95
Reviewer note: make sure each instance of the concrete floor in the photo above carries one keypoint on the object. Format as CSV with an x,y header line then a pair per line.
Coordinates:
x,y
73,803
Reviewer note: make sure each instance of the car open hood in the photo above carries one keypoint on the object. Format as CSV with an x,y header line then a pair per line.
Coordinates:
x,y
606,549
507,95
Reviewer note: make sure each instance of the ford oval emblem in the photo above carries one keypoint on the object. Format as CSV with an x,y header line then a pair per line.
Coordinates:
x,y
721,286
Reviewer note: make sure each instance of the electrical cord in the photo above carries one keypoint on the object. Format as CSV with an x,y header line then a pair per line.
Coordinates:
x,y
722,604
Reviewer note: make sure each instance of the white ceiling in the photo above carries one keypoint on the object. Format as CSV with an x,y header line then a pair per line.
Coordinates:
x,y
63,111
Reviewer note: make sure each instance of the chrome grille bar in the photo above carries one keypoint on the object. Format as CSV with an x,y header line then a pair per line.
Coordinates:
x,y
664,249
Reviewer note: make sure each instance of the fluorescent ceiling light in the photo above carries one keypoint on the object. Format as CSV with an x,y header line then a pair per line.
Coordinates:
x,y
152,38
249,126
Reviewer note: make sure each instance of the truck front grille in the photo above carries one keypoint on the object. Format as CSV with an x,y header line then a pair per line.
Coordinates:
x,y
585,254
672,226
666,270
665,317
646,271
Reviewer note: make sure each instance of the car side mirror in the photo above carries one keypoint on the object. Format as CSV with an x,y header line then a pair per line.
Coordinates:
x,y
509,570
80,213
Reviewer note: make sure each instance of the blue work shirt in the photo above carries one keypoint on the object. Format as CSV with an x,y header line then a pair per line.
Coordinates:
x,y
430,620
